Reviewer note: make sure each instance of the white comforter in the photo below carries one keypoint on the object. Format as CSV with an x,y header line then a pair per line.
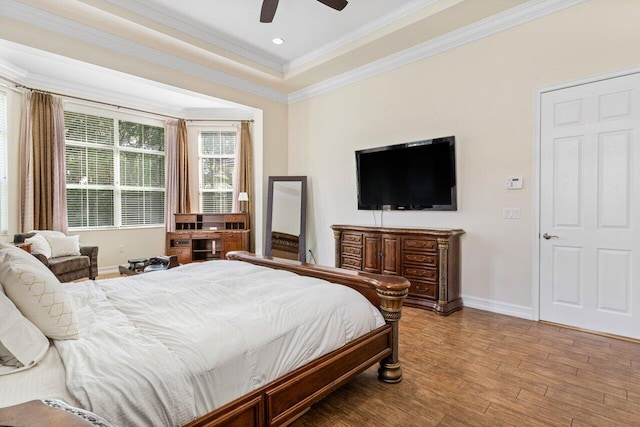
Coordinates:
x,y
163,348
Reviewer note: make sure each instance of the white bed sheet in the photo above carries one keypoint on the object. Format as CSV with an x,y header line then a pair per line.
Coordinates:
x,y
46,380
190,339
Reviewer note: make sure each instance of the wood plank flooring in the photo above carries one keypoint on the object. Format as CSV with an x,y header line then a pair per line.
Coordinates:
x,y
476,368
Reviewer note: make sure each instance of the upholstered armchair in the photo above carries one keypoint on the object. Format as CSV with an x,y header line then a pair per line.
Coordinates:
x,y
70,267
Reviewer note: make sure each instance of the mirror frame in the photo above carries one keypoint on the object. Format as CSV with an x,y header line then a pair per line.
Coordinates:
x,y
302,247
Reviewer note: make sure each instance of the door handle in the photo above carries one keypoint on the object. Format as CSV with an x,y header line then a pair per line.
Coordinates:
x,y
549,236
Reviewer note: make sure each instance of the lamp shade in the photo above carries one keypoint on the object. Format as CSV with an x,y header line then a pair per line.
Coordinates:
x,y
243,197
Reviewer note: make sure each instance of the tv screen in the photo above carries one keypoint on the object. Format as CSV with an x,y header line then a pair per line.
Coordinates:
x,y
413,176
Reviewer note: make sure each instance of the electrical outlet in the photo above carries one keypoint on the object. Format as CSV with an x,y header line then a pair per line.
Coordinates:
x,y
121,248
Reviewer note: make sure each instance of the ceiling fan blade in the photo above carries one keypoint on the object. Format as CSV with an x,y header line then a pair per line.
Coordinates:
x,y
336,4
268,10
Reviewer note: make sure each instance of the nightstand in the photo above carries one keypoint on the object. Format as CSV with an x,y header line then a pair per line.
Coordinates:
x,y
24,246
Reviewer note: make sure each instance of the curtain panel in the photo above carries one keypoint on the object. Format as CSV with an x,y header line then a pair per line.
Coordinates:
x,y
42,164
184,193
244,176
177,197
25,217
171,173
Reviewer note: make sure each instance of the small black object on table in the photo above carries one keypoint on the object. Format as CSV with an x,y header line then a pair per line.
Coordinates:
x,y
145,265
136,266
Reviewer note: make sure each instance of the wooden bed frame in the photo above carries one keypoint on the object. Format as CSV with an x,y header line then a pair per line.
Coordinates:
x,y
283,400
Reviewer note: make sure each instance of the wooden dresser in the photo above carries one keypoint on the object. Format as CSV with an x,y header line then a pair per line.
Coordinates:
x,y
207,236
428,258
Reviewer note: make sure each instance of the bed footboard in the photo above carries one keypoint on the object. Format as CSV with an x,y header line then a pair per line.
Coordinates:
x,y
282,401
385,292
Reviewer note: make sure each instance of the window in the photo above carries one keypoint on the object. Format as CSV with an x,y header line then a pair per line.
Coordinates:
x,y
217,161
4,181
115,171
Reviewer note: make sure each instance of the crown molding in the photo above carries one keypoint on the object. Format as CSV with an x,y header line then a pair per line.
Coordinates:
x,y
198,32
358,33
11,71
45,20
519,15
513,17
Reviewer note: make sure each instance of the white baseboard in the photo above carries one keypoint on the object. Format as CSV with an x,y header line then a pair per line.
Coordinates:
x,y
500,307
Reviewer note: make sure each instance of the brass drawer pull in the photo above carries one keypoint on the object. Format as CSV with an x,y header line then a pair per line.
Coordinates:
x,y
421,289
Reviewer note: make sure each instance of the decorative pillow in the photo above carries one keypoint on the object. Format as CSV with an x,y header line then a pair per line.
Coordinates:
x,y
64,245
22,345
39,245
38,294
49,233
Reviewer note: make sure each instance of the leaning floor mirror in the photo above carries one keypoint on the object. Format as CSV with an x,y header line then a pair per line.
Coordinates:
x,y
286,217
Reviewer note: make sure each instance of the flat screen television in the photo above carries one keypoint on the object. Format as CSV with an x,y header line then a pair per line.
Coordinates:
x,y
417,175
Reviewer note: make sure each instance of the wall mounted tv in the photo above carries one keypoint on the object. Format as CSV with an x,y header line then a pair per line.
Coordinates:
x,y
417,175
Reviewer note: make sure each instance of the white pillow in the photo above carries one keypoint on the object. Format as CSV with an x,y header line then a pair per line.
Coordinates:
x,y
39,245
64,245
22,345
38,294
49,233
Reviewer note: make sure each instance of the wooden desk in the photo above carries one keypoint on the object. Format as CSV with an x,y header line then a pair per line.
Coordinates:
x,y
207,236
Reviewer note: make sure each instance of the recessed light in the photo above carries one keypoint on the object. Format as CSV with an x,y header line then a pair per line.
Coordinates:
x,y
278,41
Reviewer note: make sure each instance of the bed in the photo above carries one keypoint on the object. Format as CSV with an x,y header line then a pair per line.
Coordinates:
x,y
245,394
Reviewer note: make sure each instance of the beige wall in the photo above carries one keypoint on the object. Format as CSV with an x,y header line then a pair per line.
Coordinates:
x,y
269,136
484,93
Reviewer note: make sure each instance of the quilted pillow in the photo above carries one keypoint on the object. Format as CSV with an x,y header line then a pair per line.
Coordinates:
x,y
64,245
38,294
22,345
39,245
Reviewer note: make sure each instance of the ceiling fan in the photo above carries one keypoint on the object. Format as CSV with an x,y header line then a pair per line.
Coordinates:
x,y
269,8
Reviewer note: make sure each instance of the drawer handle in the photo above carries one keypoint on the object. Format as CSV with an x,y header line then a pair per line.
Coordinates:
x,y
420,272
417,258
421,289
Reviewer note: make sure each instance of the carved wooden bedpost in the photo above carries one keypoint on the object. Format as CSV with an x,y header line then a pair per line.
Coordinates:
x,y
390,370
336,237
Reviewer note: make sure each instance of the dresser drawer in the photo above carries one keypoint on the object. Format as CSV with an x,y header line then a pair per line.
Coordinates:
x,y
349,262
354,251
184,255
185,218
420,244
420,258
423,289
234,218
420,273
196,236
178,235
355,238
232,237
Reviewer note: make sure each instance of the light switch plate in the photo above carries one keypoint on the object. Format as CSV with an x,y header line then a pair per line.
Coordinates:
x,y
514,183
511,213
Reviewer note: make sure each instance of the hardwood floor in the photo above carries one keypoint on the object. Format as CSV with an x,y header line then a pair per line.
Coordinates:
x,y
475,368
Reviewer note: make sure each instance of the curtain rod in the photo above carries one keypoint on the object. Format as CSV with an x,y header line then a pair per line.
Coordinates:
x,y
18,85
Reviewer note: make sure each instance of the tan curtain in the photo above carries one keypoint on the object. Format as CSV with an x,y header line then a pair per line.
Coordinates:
x,y
59,176
25,216
244,175
171,173
43,131
42,164
184,195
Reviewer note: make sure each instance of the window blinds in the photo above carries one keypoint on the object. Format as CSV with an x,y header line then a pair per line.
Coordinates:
x,y
217,163
115,172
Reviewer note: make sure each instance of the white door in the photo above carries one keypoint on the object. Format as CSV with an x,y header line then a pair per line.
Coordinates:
x,y
589,206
